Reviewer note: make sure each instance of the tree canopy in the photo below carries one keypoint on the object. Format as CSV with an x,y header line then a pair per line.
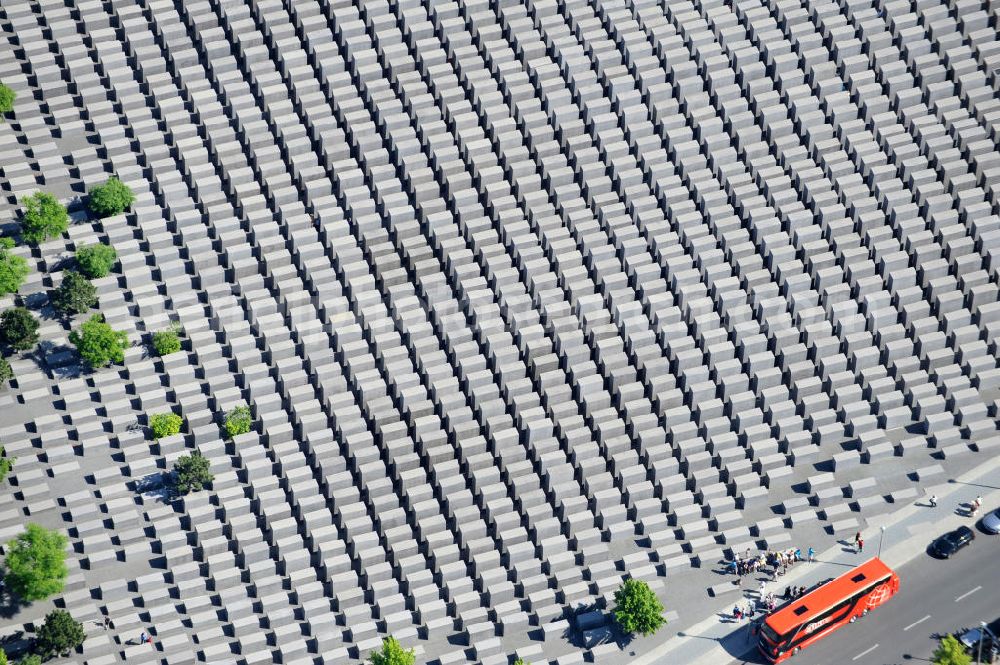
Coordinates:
x,y
13,270
238,420
60,634
951,652
165,424
95,261
6,464
98,343
19,328
75,294
192,472
44,217
166,342
392,653
36,563
7,97
6,372
637,609
111,198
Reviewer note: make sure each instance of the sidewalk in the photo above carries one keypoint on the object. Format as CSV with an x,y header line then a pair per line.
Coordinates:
x,y
908,532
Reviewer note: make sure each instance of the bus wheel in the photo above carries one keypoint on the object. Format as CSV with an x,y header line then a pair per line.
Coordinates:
x,y
865,612
796,651
853,619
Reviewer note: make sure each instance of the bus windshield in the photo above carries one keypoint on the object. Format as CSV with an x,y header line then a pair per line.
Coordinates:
x,y
771,636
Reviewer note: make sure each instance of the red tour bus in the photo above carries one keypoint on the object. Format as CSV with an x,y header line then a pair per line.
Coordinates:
x,y
801,622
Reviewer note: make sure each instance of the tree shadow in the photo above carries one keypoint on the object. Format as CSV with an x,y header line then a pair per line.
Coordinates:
x,y
10,604
157,487
61,360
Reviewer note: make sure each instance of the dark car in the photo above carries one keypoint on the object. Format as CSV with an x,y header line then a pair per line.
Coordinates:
x,y
951,542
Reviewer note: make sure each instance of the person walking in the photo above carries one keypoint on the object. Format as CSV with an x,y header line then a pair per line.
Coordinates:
x,y
861,545
812,555
143,637
107,623
763,588
933,500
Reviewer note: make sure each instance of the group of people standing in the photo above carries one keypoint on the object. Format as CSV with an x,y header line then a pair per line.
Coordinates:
x,y
777,561
774,563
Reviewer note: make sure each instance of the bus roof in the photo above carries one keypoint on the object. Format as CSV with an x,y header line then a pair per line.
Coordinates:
x,y
797,612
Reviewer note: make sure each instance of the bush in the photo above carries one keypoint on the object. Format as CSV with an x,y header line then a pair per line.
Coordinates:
x,y
951,652
111,198
392,653
30,659
6,466
95,261
166,342
3,657
165,424
192,472
13,270
75,294
6,373
19,328
36,563
7,97
44,218
238,420
59,635
7,243
637,609
98,343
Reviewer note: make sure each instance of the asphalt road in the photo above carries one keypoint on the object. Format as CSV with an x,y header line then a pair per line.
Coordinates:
x,y
935,597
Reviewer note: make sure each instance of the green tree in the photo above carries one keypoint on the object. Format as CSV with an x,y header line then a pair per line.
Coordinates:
x,y
6,466
238,420
44,218
6,373
36,563
951,652
166,342
75,294
59,635
520,661
111,198
19,328
3,657
165,424
95,260
192,472
13,270
392,653
7,97
30,659
637,609
98,343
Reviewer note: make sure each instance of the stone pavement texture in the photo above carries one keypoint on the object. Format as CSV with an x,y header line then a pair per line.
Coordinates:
x,y
525,297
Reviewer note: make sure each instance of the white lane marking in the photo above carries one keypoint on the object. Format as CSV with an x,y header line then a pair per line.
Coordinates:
x,y
865,652
918,621
968,593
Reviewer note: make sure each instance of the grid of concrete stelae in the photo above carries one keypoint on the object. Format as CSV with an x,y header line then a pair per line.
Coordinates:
x,y
526,298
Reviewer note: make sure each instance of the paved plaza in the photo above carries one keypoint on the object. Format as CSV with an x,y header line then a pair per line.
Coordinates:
x,y
526,298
